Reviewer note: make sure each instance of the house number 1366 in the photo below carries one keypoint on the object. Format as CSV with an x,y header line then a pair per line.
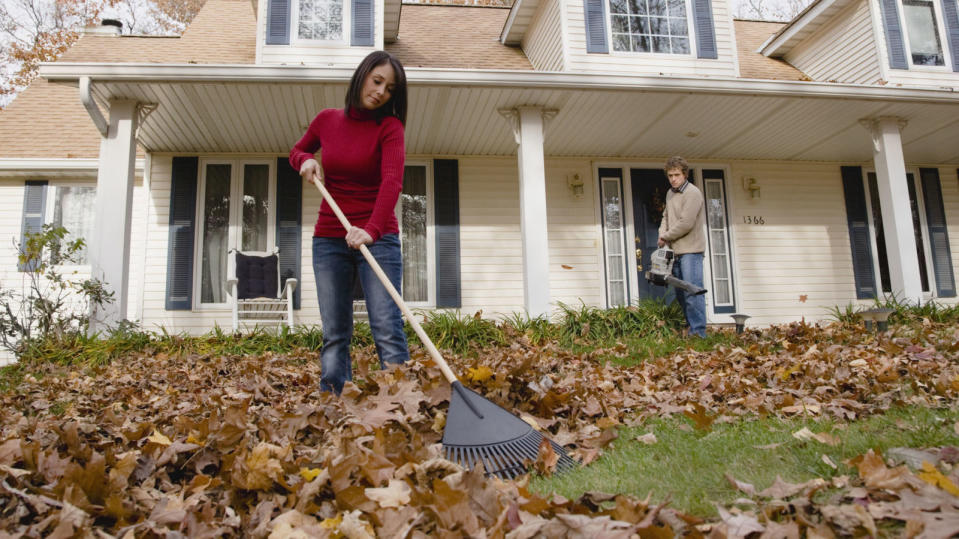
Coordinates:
x,y
754,220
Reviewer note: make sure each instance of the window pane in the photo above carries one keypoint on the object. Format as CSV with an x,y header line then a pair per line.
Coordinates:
x,y
917,230
718,238
641,44
617,6
923,33
216,228
613,231
256,203
719,267
639,25
616,268
620,24
680,45
637,7
621,42
676,8
677,27
320,19
413,236
660,44
722,292
613,245
74,211
880,235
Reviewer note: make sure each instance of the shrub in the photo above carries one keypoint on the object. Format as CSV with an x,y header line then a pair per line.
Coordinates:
x,y
50,306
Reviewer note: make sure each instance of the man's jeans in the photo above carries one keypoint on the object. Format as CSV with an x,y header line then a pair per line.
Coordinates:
x,y
689,268
335,267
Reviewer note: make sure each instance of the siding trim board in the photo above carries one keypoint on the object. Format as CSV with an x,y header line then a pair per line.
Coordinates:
x,y
859,237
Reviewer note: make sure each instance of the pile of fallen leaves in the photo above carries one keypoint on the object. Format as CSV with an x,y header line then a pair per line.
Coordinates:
x,y
212,445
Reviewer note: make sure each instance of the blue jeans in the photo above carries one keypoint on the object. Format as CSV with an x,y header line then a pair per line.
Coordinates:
x,y
335,267
689,268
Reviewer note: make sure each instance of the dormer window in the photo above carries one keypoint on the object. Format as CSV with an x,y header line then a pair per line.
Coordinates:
x,y
319,20
923,33
649,26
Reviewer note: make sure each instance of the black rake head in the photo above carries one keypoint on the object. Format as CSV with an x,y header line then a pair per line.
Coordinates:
x,y
477,430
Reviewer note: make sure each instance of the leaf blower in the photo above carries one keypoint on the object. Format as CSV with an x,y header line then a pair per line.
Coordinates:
x,y
661,272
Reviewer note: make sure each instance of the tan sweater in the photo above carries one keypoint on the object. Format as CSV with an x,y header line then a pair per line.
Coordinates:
x,y
684,221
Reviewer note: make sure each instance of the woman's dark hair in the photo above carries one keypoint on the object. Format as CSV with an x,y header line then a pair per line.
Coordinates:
x,y
396,106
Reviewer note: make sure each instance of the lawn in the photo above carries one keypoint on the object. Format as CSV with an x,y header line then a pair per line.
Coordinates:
x,y
792,430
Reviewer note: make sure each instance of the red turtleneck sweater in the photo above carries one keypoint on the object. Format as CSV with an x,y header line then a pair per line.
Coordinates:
x,y
363,169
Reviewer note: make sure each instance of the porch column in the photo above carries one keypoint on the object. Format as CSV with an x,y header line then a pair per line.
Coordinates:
x,y
109,247
894,203
528,124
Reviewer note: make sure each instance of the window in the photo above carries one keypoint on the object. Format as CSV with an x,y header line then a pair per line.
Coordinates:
x,y
923,32
615,240
880,258
649,26
319,20
73,208
718,234
235,210
415,222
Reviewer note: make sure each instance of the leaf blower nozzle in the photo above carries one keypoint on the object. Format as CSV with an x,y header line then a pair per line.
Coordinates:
x,y
661,272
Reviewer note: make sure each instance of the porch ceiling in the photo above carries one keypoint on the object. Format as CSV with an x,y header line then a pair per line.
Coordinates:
x,y
607,117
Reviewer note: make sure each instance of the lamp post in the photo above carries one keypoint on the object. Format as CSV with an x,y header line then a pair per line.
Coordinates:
x,y
740,321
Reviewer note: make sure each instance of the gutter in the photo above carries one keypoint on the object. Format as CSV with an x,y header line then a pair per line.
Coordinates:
x,y
252,74
92,109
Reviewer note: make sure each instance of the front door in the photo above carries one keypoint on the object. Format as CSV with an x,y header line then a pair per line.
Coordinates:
x,y
649,188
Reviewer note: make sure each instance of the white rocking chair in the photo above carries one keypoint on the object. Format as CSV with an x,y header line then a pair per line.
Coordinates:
x,y
254,281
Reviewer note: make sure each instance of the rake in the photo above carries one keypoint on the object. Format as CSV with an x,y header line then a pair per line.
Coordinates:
x,y
477,430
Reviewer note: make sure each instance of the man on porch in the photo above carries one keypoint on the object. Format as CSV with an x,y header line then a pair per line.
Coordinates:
x,y
683,229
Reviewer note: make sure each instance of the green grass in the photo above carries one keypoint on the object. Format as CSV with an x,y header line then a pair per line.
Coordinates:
x,y
689,465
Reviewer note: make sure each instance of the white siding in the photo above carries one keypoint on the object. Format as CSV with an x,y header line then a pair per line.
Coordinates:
x,y
543,42
652,64
843,50
492,255
11,221
798,264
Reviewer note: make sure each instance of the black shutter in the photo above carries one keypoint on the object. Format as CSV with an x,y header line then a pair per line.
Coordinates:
x,y
894,42
938,233
362,34
289,206
34,208
278,22
179,268
705,31
856,215
950,14
446,208
596,26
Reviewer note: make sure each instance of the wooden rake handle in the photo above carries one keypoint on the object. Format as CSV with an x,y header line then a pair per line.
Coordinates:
x,y
434,353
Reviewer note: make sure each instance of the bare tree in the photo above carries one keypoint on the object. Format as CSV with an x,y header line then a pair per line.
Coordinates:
x,y
769,10
34,31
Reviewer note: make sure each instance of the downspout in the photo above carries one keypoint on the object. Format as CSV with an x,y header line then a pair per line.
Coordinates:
x,y
92,109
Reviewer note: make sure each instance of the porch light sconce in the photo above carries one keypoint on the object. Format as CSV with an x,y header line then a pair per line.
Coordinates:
x,y
576,185
740,321
750,186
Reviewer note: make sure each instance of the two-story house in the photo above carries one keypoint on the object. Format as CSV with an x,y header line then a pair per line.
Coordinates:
x,y
826,149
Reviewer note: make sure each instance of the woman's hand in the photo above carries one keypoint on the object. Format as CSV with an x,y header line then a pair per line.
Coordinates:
x,y
356,237
311,171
